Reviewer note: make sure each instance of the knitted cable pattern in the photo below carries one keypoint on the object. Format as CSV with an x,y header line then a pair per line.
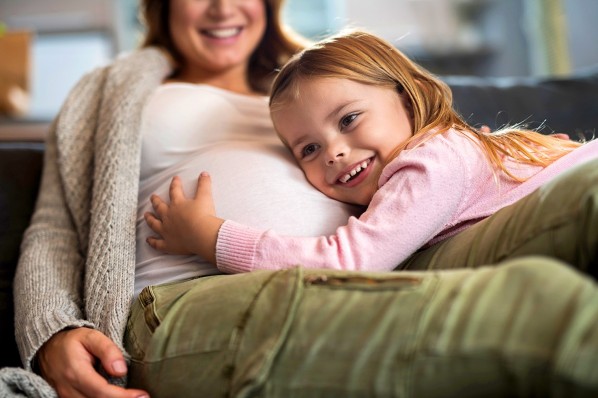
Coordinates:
x,y
77,263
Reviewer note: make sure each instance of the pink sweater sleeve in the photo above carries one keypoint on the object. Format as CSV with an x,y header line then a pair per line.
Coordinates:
x,y
423,191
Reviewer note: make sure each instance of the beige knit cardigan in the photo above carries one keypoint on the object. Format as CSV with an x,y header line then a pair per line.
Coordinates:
x,y
77,265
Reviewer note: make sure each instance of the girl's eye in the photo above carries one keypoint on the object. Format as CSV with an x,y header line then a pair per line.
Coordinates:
x,y
347,120
309,150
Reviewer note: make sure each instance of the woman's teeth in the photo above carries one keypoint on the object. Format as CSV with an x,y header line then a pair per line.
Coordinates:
x,y
223,33
358,169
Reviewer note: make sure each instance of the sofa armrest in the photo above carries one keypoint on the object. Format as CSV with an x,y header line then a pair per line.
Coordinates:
x,y
20,171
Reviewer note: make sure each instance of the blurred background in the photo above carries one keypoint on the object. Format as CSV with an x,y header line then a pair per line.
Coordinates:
x,y
47,45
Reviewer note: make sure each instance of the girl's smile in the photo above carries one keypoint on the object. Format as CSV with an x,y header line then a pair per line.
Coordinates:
x,y
355,174
342,133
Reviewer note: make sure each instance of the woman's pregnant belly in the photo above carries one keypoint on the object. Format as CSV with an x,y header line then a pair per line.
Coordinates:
x,y
254,183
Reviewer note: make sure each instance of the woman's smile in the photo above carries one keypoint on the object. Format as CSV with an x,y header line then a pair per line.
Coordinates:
x,y
222,33
215,40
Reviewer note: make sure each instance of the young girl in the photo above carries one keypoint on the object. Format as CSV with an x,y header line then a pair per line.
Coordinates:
x,y
370,127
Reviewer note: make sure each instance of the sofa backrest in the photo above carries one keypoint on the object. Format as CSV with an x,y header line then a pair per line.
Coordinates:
x,y
555,105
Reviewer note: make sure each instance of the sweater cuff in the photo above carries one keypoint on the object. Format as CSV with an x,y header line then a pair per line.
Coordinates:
x,y
236,247
40,329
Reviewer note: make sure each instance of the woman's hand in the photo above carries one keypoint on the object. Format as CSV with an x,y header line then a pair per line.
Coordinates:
x,y
186,225
67,362
562,136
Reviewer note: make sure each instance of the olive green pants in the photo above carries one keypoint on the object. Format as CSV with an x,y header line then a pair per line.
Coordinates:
x,y
559,220
526,328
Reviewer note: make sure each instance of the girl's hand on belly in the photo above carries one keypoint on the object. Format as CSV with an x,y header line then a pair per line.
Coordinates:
x,y
185,225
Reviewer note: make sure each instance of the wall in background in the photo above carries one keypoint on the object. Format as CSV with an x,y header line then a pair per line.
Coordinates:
x,y
482,37
582,18
71,38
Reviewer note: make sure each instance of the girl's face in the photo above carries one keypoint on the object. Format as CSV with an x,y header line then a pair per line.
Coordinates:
x,y
342,132
216,37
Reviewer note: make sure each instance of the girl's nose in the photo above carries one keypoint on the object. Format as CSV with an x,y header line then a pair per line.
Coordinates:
x,y
332,158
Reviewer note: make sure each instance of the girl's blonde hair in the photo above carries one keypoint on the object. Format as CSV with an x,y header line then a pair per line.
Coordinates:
x,y
277,46
367,59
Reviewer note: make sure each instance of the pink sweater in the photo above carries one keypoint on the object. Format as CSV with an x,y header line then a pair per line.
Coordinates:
x,y
426,194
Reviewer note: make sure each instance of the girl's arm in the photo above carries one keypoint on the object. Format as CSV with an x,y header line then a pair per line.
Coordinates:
x,y
414,206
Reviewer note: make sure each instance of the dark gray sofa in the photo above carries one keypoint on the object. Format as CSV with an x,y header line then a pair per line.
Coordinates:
x,y
556,105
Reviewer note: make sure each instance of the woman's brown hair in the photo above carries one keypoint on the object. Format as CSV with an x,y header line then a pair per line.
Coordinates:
x,y
368,59
276,47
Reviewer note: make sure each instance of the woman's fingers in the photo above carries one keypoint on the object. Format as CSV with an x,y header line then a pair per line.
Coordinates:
x,y
485,129
562,136
101,347
67,361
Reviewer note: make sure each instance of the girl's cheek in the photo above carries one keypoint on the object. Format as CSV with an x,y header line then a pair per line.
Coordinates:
x,y
314,178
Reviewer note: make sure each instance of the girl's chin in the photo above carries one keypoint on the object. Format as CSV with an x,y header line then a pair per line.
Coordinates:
x,y
356,198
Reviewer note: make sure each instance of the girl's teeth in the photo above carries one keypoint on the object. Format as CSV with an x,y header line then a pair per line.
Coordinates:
x,y
353,172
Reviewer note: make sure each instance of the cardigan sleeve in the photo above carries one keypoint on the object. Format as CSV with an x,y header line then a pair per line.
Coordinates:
x,y
49,275
423,195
